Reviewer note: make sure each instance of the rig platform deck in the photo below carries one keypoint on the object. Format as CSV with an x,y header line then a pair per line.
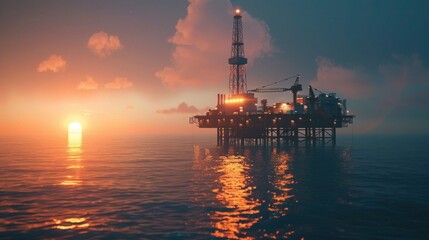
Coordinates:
x,y
273,128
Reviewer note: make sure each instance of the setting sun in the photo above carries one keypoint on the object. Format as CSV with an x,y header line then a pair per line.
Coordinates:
x,y
75,127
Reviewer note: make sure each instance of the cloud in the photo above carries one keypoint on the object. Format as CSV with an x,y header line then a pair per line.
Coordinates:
x,y
54,63
103,44
347,82
404,70
405,82
401,85
181,108
119,83
203,41
88,84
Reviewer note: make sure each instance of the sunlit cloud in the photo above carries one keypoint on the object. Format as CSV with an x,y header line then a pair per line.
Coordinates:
x,y
54,63
103,44
203,41
88,84
181,108
346,82
119,83
129,107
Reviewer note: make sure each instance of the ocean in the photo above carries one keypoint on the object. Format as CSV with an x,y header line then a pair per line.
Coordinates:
x,y
185,187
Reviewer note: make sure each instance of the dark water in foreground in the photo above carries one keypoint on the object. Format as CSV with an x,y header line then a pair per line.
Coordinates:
x,y
187,188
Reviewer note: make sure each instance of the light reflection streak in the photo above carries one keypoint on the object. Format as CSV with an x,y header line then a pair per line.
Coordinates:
x,y
74,154
70,223
248,190
74,157
282,182
234,194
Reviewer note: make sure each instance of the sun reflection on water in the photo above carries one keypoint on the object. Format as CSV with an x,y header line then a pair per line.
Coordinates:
x,y
74,155
70,223
73,178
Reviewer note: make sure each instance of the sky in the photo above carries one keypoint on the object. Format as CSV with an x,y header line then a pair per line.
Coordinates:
x,y
145,67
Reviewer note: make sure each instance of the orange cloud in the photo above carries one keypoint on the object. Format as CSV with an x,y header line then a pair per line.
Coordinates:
x,y
88,84
119,83
54,63
103,44
203,41
349,83
182,108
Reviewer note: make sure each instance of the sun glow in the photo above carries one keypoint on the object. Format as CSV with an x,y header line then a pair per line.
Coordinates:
x,y
75,137
75,127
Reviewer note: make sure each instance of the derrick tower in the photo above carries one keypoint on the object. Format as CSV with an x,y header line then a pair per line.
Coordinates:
x,y
237,61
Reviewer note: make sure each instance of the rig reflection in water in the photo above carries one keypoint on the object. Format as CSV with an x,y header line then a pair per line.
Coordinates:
x,y
245,200
234,192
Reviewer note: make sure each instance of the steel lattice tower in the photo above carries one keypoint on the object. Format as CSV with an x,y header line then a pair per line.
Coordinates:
x,y
237,61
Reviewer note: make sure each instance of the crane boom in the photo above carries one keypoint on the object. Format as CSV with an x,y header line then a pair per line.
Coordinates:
x,y
269,90
296,75
295,88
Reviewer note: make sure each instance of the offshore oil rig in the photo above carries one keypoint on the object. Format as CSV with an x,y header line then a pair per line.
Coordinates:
x,y
238,118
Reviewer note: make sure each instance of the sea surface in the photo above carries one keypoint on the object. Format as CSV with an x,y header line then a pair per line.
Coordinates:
x,y
185,187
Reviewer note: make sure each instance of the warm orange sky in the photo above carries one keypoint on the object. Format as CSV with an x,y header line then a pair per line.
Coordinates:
x,y
145,67
115,72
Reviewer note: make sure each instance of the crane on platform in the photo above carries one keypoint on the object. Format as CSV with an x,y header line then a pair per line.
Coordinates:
x,y
295,88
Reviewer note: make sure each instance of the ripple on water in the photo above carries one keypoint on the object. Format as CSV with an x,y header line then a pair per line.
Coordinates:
x,y
176,187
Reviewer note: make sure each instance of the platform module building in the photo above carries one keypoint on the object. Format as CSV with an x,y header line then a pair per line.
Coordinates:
x,y
239,118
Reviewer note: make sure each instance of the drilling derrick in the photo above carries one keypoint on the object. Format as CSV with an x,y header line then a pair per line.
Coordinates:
x,y
237,61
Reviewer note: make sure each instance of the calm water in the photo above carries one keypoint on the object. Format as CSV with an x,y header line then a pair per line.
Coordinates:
x,y
187,188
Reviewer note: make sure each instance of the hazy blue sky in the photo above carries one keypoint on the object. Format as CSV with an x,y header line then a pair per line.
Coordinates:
x,y
135,66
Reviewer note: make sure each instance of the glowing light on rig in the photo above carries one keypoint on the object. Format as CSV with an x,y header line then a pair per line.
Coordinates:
x,y
234,100
237,11
286,107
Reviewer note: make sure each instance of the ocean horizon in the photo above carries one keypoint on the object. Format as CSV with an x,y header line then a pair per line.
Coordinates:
x,y
186,187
